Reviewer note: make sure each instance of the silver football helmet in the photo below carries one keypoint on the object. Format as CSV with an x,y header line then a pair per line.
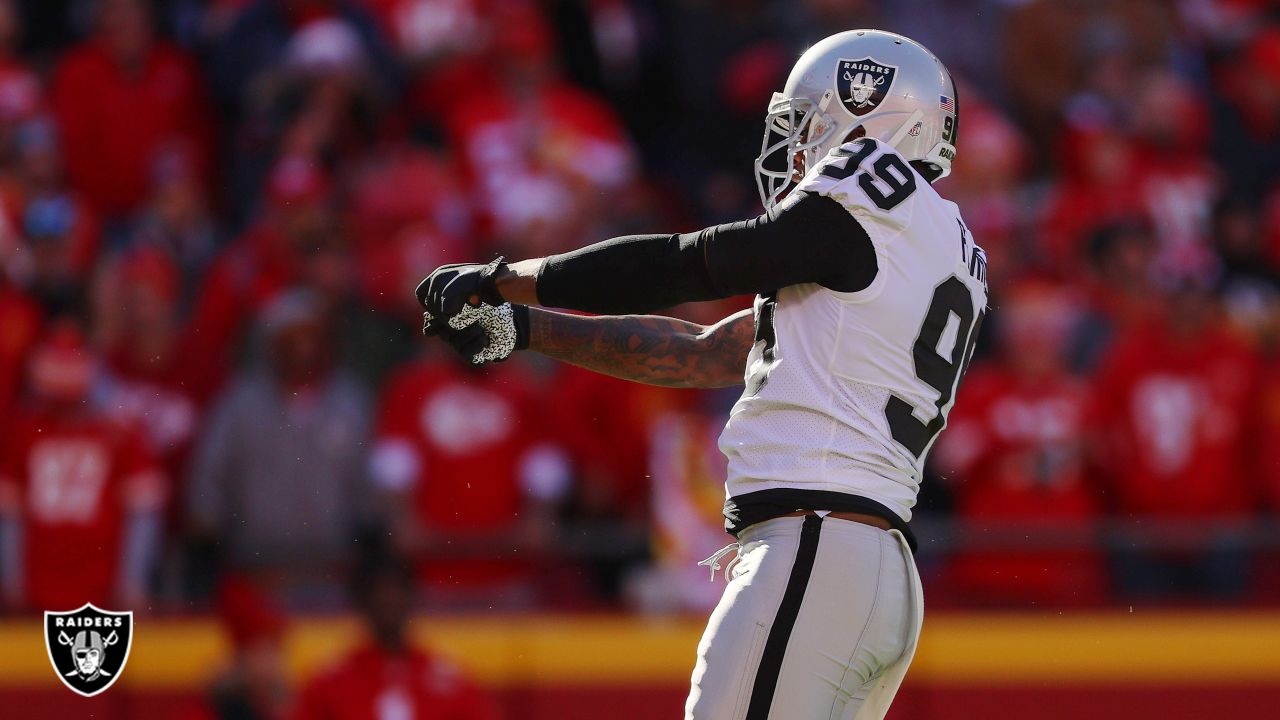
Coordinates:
x,y
890,86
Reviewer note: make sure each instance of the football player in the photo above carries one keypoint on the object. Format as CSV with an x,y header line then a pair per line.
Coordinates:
x,y
870,293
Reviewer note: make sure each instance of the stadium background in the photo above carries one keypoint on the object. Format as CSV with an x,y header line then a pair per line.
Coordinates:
x,y
216,410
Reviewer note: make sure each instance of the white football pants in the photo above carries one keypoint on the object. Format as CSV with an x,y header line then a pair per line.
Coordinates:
x,y
819,622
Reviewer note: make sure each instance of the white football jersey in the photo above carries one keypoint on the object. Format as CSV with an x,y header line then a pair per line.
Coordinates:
x,y
846,392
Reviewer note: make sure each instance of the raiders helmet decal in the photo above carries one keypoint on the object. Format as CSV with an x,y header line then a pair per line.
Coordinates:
x,y
863,84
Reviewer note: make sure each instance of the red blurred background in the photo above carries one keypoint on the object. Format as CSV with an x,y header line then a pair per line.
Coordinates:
x,y
216,410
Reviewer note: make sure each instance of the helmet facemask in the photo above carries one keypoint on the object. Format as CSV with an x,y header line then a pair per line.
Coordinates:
x,y
793,126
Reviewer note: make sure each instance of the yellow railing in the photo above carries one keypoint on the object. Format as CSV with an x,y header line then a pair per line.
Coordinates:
x,y
996,648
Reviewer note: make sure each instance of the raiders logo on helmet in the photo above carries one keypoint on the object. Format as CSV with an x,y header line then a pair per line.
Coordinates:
x,y
863,84
88,647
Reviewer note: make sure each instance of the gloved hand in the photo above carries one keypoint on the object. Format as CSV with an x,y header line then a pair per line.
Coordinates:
x,y
483,333
449,288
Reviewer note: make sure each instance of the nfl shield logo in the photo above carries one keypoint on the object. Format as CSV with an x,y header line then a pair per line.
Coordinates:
x,y
88,647
863,84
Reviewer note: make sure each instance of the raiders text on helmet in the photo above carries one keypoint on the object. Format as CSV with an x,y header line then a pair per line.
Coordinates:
x,y
889,85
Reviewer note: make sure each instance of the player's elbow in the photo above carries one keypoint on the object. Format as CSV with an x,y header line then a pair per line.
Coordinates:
x,y
721,360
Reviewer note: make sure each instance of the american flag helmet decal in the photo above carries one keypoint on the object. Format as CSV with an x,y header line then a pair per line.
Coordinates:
x,y
947,104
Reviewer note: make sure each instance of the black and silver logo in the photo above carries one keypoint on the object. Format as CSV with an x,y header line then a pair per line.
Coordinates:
x,y
88,647
863,84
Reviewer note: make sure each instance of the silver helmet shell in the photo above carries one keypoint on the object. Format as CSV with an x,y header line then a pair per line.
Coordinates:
x,y
887,84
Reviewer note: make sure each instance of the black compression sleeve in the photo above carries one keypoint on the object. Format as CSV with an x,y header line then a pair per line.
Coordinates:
x,y
810,238
632,274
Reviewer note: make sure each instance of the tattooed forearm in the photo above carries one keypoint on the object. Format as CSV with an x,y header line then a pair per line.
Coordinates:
x,y
647,348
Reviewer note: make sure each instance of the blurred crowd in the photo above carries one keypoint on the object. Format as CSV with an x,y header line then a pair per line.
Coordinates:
x,y
213,213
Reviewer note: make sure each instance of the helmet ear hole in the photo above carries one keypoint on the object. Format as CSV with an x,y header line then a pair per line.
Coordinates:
x,y
927,170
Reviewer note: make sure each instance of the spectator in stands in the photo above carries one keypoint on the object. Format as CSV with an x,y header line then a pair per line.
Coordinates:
x,y
1176,180
1120,294
427,32
544,155
255,686
80,493
1097,188
328,79
178,219
987,182
1250,283
120,97
140,334
22,96
387,675
1174,403
471,477
409,208
1059,55
278,482
259,40
605,427
739,66
1268,403
267,258
1246,122
61,232
20,320
1015,454
324,100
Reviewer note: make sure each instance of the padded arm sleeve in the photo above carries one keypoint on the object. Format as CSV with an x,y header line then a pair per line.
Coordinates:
x,y
809,239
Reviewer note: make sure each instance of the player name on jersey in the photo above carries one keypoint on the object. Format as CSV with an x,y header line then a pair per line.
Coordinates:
x,y
973,255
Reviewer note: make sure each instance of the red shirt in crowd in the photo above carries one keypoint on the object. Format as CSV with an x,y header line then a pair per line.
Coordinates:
x,y
115,119
1017,448
1268,420
1178,192
537,159
71,480
1073,215
1173,424
375,684
409,211
606,424
471,449
239,283
19,325
161,403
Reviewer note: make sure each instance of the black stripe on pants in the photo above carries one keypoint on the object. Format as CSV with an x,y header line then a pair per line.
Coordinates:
x,y
775,648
